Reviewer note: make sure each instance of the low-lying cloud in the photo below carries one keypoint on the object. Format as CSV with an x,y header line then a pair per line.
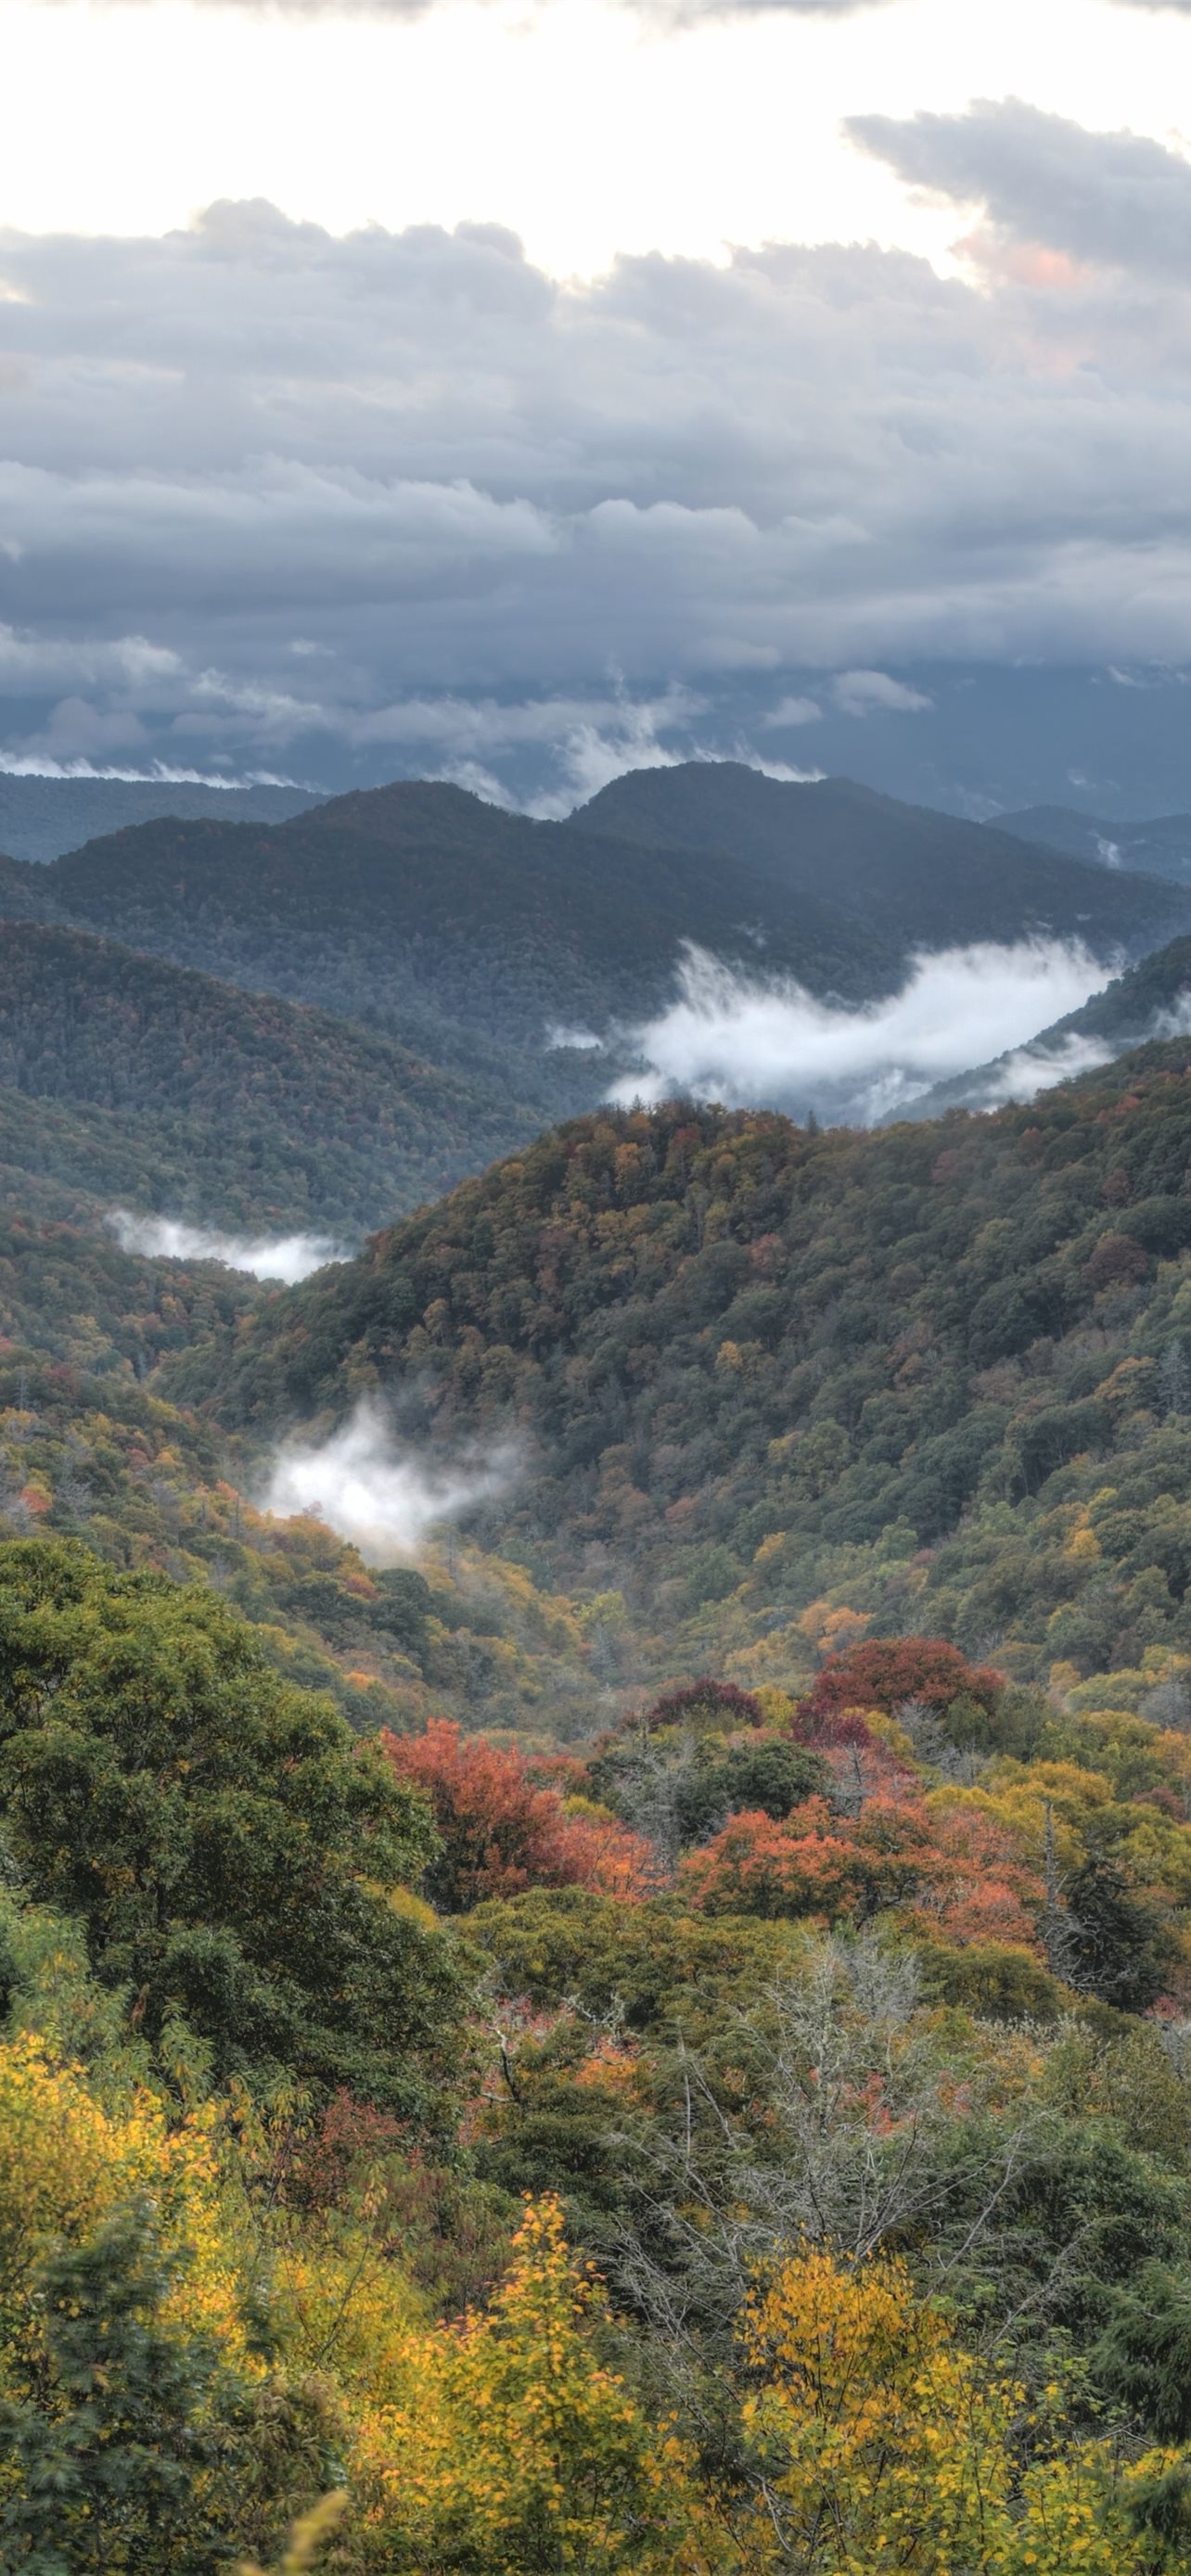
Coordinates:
x,y
752,1041
382,1495
288,1257
158,774
1029,1070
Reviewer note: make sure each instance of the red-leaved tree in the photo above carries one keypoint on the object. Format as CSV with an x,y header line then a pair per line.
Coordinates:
x,y
885,1672
707,1706
501,1831
953,1873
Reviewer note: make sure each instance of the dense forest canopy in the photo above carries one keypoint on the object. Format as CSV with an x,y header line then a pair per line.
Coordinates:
x,y
241,1107
762,1375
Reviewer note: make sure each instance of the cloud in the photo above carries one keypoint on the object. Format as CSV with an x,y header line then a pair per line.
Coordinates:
x,y
1029,1070
288,1257
334,506
751,1041
683,12
159,774
792,711
863,693
1116,199
385,1498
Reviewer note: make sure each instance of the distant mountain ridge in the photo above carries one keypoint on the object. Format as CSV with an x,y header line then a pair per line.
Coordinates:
x,y
42,817
419,905
150,1081
1160,847
910,872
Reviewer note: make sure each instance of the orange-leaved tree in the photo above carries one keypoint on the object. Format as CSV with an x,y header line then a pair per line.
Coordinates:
x,y
501,1831
813,1862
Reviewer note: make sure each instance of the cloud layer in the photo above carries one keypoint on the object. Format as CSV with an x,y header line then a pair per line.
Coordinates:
x,y
288,1257
745,1040
383,1497
274,501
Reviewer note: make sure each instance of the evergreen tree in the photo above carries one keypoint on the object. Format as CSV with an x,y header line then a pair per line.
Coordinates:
x,y
124,2455
1120,1947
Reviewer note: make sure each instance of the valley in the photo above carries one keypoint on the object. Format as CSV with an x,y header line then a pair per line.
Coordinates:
x,y
598,1791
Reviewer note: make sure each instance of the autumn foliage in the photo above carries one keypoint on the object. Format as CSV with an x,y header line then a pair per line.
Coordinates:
x,y
885,1672
887,2446
960,1872
510,2446
501,1831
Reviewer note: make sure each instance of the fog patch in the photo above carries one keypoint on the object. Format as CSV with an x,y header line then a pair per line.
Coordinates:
x,y
751,1041
288,1257
384,1497
584,1041
1174,1021
1022,1075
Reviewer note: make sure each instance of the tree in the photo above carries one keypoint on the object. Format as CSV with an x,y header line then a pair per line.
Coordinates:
x,y
1142,2360
704,1706
883,1672
510,2448
500,1831
806,1864
816,1862
1120,1947
880,2445
132,2448
230,1849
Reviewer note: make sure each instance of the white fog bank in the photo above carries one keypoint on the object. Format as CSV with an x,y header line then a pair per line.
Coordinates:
x,y
382,1496
288,1257
751,1040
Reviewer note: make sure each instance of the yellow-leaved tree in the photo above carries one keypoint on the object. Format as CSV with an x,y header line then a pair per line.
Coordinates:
x,y
880,2445
510,2448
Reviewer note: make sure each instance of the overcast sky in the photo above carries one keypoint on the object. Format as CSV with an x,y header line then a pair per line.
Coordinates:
x,y
513,391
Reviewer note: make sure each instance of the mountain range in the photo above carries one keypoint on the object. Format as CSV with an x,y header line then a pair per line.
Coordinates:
x,y
41,817
495,950
1160,847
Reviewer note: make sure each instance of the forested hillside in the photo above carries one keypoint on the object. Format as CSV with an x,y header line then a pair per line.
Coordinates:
x,y
937,1375
916,876
472,933
656,2039
420,903
182,1093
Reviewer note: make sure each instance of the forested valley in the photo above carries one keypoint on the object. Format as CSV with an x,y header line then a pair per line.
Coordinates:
x,y
652,2029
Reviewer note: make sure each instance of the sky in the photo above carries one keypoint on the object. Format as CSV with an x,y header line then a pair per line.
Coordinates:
x,y
515,392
